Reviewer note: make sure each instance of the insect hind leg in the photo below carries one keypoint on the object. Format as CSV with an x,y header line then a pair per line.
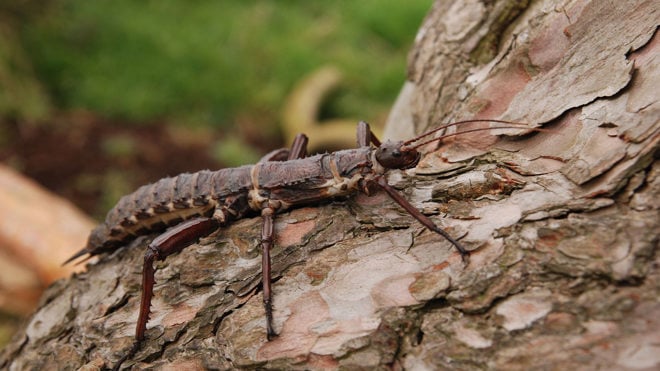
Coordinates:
x,y
170,242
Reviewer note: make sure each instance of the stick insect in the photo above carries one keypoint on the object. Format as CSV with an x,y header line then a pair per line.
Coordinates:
x,y
194,205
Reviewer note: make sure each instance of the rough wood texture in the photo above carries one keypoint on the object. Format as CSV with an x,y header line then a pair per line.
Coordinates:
x,y
564,225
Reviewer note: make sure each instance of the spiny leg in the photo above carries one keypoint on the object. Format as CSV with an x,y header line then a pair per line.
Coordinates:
x,y
171,241
426,221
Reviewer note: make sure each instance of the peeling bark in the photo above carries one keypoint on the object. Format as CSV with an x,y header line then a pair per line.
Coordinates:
x,y
563,226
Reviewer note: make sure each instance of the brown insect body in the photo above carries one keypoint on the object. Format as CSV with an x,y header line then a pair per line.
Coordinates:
x,y
229,194
167,202
193,205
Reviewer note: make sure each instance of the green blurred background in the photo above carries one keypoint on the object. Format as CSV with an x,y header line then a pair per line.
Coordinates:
x,y
98,97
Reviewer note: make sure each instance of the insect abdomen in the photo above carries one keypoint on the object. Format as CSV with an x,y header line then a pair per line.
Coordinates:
x,y
156,206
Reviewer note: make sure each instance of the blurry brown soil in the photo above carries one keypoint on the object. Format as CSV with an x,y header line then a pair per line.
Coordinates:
x,y
92,161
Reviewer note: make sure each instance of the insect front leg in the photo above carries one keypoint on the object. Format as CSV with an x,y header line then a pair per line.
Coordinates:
x,y
381,183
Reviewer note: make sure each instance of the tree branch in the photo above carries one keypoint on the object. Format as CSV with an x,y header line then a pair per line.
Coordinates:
x,y
563,227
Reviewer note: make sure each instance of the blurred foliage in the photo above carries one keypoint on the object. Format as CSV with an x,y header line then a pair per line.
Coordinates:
x,y
21,95
232,152
206,62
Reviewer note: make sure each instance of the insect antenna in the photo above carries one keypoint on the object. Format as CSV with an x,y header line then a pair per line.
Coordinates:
x,y
509,125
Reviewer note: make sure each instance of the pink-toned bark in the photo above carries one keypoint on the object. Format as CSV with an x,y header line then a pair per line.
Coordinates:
x,y
562,223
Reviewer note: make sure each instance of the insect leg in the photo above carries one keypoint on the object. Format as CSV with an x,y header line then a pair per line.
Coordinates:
x,y
299,147
365,136
266,244
426,221
298,150
171,241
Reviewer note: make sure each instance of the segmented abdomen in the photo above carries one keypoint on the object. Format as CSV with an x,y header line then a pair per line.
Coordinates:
x,y
169,201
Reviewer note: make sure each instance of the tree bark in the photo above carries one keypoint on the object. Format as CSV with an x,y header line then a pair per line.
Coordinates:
x,y
563,225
